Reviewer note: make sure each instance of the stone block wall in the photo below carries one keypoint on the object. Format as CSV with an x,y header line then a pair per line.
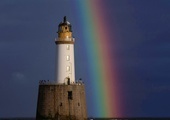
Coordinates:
x,y
61,102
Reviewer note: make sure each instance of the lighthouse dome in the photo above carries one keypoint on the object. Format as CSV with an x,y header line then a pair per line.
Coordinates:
x,y
64,26
64,23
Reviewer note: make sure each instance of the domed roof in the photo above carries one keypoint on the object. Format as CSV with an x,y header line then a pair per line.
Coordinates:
x,y
65,22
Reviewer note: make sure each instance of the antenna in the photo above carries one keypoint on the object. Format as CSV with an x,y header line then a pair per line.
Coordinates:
x,y
65,19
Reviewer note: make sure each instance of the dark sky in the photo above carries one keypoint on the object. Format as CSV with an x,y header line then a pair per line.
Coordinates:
x,y
27,53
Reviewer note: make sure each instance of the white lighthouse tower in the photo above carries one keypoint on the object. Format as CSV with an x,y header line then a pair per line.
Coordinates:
x,y
65,72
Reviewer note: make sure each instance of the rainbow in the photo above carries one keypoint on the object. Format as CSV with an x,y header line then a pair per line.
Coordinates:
x,y
103,76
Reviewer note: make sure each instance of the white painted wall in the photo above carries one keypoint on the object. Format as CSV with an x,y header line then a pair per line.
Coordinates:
x,y
65,63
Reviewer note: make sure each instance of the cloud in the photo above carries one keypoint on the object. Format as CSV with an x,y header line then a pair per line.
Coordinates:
x,y
19,77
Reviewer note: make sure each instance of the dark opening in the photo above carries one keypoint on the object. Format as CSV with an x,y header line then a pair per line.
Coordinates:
x,y
68,81
61,104
66,28
78,104
70,95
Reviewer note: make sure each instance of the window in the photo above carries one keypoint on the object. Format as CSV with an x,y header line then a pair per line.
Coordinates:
x,y
68,58
61,104
70,95
68,68
68,47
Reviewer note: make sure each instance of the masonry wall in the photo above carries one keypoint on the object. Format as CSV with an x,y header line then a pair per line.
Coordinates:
x,y
61,102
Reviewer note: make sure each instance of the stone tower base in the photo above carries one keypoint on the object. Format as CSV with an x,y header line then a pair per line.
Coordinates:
x,y
61,102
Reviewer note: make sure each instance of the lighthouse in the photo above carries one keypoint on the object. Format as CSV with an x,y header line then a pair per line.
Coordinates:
x,y
64,97
65,69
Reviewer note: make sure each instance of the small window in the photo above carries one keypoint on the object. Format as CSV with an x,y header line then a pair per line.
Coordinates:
x,y
68,57
78,104
66,28
70,95
68,68
51,89
68,47
61,104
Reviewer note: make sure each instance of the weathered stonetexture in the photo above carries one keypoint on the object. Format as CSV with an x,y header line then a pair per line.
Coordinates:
x,y
61,102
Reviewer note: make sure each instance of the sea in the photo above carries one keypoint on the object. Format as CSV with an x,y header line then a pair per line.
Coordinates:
x,y
95,119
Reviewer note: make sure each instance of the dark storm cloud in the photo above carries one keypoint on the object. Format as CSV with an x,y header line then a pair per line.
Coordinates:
x,y
142,54
142,47
27,48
